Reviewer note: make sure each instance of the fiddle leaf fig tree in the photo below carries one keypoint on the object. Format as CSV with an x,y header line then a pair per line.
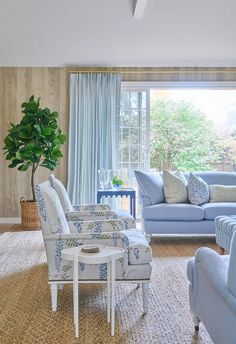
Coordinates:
x,y
36,141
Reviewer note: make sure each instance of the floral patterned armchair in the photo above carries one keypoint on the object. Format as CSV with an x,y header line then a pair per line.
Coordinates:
x,y
59,234
88,211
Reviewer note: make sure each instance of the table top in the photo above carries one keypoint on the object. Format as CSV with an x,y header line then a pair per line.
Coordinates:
x,y
105,255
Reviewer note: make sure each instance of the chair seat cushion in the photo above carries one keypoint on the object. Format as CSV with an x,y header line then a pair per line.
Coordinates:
x,y
139,249
212,210
173,211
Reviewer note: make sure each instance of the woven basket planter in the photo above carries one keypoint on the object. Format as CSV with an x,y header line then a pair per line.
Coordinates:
x,y
29,215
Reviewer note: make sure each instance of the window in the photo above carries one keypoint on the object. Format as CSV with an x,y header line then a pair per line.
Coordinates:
x,y
177,126
134,131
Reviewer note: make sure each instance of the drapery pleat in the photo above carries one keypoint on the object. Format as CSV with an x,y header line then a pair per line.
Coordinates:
x,y
94,110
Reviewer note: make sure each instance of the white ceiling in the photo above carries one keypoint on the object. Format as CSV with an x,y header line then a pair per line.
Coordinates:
x,y
104,33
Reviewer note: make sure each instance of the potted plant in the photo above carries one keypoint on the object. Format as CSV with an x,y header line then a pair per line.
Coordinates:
x,y
35,141
117,182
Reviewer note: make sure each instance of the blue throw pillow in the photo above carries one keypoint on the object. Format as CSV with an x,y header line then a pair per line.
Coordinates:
x,y
198,191
150,186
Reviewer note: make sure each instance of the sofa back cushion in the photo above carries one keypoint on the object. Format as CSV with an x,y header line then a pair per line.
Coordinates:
x,y
198,190
219,178
151,187
222,193
175,187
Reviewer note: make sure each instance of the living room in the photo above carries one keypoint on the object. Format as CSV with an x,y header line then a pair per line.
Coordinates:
x,y
134,98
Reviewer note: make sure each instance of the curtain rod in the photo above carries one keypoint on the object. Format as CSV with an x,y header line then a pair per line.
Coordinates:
x,y
154,71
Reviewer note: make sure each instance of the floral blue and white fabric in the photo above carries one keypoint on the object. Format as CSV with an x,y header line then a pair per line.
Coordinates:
x,y
90,215
96,227
198,191
50,210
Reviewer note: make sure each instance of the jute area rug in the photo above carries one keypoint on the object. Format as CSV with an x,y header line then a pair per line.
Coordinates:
x,y
25,308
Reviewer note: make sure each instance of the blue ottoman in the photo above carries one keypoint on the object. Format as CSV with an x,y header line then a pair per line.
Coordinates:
x,y
225,227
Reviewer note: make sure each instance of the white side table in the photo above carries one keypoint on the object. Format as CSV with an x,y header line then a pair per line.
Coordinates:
x,y
107,255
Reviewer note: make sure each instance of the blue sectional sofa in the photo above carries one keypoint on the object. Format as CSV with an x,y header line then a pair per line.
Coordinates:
x,y
181,218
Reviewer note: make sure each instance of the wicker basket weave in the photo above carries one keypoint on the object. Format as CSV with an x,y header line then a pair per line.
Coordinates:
x,y
29,215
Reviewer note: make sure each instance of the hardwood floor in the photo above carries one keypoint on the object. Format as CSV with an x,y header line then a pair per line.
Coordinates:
x,y
4,227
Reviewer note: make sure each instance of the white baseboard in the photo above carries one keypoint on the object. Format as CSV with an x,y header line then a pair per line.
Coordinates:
x,y
12,220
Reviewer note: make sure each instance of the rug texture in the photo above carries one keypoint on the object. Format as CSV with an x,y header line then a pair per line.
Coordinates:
x,y
25,308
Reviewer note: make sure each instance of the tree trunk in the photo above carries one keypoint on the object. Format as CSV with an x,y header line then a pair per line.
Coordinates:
x,y
32,182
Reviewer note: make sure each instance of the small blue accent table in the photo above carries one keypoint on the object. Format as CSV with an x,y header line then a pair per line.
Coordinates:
x,y
131,193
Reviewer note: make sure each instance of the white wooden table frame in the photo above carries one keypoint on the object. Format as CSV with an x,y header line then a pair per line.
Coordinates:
x,y
107,255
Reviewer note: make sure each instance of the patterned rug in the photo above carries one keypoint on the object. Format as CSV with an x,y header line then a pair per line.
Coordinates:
x,y
25,309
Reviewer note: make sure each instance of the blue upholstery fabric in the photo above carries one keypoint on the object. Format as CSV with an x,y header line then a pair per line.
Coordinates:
x,y
215,209
221,178
150,186
225,226
210,297
179,227
198,191
151,190
231,279
173,211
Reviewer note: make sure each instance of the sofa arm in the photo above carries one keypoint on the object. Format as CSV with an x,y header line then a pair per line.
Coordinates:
x,y
90,215
216,271
92,207
96,227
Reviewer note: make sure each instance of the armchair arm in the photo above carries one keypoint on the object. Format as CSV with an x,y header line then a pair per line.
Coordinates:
x,y
129,222
90,215
96,227
216,270
92,207
55,243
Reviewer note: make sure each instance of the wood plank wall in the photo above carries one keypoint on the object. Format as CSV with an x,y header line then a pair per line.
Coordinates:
x,y
52,85
17,85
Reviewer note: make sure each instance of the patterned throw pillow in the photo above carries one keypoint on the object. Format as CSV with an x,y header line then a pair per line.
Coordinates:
x,y
175,187
198,191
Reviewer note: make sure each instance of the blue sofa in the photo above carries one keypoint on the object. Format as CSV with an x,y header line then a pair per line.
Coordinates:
x,y
160,217
212,293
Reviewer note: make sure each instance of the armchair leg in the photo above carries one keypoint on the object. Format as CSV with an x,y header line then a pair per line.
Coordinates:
x,y
54,296
221,250
196,322
145,287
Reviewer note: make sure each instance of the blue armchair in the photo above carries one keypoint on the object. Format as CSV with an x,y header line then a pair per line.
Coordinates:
x,y
212,293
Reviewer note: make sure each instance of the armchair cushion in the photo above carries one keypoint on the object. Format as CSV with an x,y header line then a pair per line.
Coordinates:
x,y
90,215
91,207
96,227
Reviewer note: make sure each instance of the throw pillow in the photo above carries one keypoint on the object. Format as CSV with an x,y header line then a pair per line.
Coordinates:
x,y
175,187
150,186
198,191
222,193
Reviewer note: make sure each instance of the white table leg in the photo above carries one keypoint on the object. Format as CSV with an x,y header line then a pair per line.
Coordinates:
x,y
108,292
75,296
113,272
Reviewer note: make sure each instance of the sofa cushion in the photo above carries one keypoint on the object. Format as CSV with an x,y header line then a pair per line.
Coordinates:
x,y
140,251
215,209
151,187
175,187
198,191
173,211
222,193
